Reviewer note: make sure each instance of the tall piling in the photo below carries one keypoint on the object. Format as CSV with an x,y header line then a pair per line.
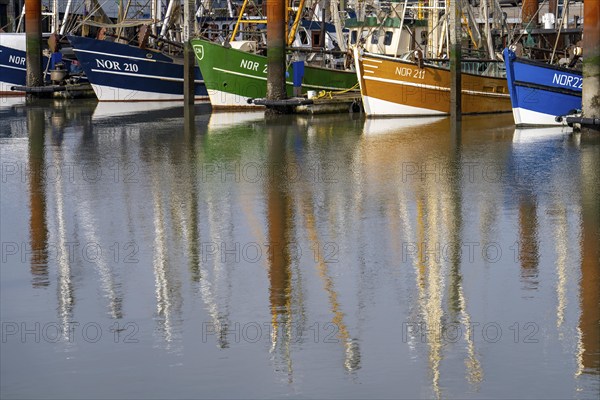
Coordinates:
x,y
189,61
529,9
10,15
276,10
553,7
33,37
591,60
455,57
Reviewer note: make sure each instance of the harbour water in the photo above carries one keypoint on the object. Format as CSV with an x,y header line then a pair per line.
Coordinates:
x,y
148,253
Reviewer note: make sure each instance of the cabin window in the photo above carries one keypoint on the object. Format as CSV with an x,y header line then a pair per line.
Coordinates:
x,y
316,39
303,37
375,37
387,40
353,37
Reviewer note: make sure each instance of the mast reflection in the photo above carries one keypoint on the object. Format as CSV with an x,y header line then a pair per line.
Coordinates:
x,y
65,290
528,241
352,353
167,285
435,234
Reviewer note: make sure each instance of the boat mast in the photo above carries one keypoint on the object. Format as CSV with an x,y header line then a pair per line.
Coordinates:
x,y
54,18
335,16
488,31
63,26
230,9
154,10
167,20
433,20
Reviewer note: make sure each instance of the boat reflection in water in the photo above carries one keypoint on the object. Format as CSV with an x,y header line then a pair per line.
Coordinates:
x,y
302,256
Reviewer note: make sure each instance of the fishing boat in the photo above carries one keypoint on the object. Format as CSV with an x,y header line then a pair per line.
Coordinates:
x,y
55,55
124,72
140,57
232,76
13,49
392,86
12,62
13,69
397,82
236,71
540,92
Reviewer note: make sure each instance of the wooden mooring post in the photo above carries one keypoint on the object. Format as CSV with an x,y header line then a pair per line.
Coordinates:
x,y
591,61
529,10
276,38
455,58
33,37
189,60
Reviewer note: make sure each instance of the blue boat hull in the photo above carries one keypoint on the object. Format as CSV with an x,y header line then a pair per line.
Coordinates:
x,y
120,72
13,70
540,92
12,62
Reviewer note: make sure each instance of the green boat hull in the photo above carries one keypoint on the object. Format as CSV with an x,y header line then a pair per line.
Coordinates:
x,y
232,77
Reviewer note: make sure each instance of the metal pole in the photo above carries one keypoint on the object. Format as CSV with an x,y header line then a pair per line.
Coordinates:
x,y
63,26
167,20
154,5
21,19
322,35
54,18
276,49
455,56
488,31
33,37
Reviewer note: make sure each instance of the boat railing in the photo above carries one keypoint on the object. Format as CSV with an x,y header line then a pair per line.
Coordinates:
x,y
493,68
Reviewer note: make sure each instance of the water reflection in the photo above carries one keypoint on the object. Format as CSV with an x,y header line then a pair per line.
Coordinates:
x,y
528,242
279,221
167,284
36,125
110,110
371,229
438,202
589,295
65,287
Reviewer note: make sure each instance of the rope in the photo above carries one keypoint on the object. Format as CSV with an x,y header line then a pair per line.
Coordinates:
x,y
329,94
566,7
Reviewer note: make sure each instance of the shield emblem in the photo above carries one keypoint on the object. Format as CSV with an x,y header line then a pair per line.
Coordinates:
x,y
199,50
